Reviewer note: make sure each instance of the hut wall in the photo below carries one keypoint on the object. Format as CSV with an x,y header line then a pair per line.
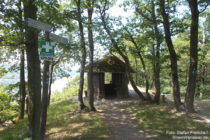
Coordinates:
x,y
98,79
120,81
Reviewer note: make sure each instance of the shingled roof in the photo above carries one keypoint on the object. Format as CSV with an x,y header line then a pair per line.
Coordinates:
x,y
110,63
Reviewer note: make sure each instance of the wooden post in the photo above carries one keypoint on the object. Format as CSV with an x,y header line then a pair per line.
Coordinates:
x,y
45,90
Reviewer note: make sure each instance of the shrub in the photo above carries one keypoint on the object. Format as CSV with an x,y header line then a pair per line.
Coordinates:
x,y
8,108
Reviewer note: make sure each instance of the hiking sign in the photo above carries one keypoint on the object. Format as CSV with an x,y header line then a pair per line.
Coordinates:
x,y
47,50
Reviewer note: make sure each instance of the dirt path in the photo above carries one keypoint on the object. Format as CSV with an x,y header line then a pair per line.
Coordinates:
x,y
120,121
202,108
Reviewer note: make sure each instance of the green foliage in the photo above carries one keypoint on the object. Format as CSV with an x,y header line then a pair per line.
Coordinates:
x,y
2,72
205,90
66,94
108,77
63,123
15,132
8,108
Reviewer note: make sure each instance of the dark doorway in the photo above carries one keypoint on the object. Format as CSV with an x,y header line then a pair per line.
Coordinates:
x,y
110,91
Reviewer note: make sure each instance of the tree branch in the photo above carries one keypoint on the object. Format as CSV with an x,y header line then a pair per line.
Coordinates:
x,y
144,15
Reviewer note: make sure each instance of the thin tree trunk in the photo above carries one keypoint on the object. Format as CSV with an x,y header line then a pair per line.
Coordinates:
x,y
191,86
141,96
22,85
91,52
83,61
173,57
34,76
203,64
136,75
52,66
50,83
44,105
143,65
157,75
202,77
157,56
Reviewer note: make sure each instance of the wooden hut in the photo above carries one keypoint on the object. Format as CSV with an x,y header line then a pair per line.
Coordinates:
x,y
118,86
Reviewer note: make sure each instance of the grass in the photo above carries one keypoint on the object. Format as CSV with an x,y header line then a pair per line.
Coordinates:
x,y
160,124
14,132
64,123
71,125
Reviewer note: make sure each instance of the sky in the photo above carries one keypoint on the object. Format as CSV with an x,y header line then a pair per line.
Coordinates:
x,y
61,83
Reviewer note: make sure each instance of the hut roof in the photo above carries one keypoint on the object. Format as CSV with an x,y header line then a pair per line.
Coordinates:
x,y
110,63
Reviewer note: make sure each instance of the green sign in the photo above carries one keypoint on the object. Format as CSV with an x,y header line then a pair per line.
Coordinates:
x,y
47,50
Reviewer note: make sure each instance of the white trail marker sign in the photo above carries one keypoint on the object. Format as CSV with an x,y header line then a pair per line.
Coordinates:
x,y
38,25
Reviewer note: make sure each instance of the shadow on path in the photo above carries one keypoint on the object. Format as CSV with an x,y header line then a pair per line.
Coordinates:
x,y
120,121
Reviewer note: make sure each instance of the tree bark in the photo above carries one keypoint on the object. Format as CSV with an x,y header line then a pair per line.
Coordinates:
x,y
191,86
156,67
22,87
173,57
22,84
34,76
115,45
203,65
91,52
83,61
136,67
50,83
156,70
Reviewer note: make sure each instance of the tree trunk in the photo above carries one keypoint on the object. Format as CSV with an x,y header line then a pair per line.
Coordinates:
x,y
91,52
22,84
52,66
203,75
173,57
203,65
136,67
83,61
50,83
141,96
191,86
156,66
143,65
157,74
34,76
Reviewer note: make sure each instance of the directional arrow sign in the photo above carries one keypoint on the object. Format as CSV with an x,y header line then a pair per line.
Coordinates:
x,y
47,50
39,25
58,38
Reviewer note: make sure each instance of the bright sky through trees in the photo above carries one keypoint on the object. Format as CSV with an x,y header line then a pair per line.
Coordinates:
x,y
116,11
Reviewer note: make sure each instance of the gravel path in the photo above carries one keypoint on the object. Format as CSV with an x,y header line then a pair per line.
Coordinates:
x,y
120,121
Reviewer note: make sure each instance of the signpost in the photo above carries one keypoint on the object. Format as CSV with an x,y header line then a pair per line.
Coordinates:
x,y
38,25
58,38
47,50
47,54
